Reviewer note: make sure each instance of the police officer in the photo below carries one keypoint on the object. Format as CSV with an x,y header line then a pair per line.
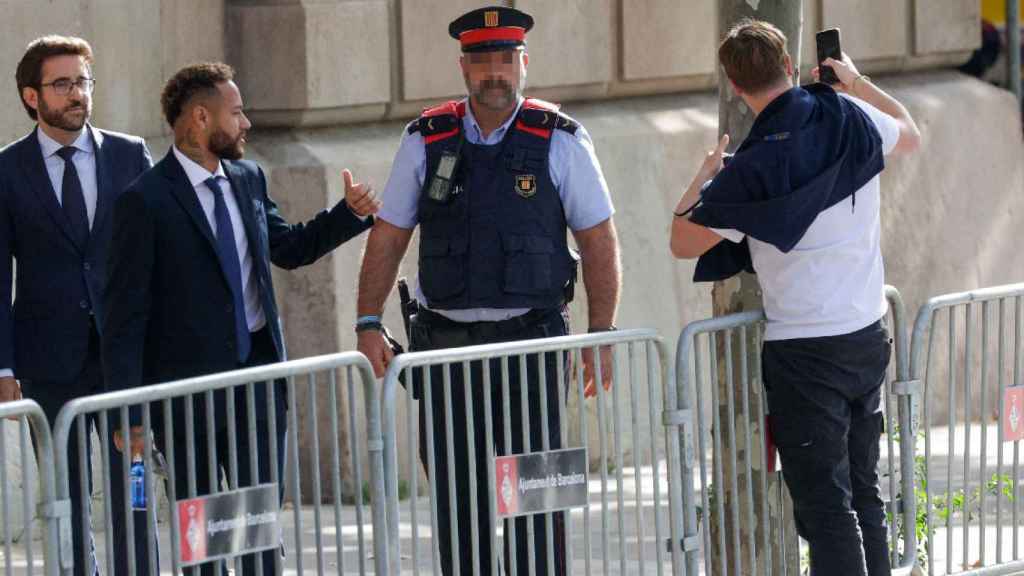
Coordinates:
x,y
493,181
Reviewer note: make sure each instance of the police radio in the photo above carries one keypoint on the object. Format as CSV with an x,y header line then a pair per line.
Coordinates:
x,y
441,184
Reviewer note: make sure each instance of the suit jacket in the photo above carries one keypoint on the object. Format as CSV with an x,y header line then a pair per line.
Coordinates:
x,y
44,335
169,312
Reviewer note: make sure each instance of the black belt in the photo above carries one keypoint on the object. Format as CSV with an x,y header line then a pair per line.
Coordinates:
x,y
507,327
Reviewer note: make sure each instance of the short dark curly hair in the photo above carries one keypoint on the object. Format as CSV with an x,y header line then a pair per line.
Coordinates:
x,y
30,68
194,80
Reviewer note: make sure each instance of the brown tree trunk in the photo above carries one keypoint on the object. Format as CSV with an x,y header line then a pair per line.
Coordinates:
x,y
736,295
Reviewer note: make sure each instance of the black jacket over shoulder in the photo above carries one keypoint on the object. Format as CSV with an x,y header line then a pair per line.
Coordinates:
x,y
807,151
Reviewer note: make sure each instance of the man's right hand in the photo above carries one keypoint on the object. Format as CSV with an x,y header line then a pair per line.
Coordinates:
x,y
373,345
845,70
360,197
10,389
138,441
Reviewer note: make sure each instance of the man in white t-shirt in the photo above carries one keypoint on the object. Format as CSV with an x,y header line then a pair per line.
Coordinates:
x,y
799,204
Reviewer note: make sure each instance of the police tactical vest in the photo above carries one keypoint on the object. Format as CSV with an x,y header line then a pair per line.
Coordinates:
x,y
499,239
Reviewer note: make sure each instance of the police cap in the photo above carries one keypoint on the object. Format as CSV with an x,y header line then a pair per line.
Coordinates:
x,y
490,29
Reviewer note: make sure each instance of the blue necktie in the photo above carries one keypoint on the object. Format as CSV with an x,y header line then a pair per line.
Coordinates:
x,y
72,199
228,254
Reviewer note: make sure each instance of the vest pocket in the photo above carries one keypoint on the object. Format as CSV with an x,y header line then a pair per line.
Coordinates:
x,y
527,264
442,273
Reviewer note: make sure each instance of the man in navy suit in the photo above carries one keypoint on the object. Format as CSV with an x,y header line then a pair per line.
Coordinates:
x,y
190,288
58,185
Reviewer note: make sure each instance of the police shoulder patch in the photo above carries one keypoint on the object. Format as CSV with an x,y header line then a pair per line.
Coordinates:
x,y
567,124
440,121
544,115
432,125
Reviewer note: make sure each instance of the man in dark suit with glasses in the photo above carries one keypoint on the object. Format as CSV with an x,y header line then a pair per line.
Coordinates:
x,y
58,185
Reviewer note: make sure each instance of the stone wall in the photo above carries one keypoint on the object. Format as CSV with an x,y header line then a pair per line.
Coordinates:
x,y
332,62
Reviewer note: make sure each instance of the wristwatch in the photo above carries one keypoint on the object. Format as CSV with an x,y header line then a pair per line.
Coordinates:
x,y
611,328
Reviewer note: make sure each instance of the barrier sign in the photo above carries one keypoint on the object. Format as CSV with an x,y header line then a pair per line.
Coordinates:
x,y
228,524
540,482
1013,414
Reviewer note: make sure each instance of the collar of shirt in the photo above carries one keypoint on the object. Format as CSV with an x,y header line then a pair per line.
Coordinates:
x,y
197,174
475,135
50,146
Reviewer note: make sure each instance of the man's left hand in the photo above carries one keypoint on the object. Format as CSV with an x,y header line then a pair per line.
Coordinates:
x,y
590,388
359,197
712,164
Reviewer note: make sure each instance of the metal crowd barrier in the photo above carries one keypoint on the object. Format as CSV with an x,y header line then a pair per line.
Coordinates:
x,y
720,504
968,496
661,494
631,506
27,418
334,378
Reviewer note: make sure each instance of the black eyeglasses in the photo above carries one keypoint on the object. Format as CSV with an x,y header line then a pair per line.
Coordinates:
x,y
62,86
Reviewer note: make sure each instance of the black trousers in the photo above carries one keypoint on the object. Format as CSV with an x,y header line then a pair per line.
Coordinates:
x,y
430,332
51,397
262,353
824,395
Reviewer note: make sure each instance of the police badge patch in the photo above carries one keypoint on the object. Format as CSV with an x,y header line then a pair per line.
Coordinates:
x,y
526,185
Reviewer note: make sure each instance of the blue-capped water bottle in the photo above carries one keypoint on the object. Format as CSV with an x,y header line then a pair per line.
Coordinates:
x,y
137,474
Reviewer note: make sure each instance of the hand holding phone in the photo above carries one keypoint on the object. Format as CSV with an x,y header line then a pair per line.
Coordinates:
x,y
828,47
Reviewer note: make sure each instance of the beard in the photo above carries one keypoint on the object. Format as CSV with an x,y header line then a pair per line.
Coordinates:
x,y
70,118
495,93
226,147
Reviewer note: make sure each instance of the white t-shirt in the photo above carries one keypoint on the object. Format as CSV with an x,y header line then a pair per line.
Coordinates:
x,y
833,281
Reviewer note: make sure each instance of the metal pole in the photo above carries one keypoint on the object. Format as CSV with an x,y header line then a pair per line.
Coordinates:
x,y
1013,48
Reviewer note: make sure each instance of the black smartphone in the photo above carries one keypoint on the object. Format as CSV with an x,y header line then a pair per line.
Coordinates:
x,y
828,47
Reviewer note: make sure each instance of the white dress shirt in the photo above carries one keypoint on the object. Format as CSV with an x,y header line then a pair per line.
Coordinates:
x,y
85,164
197,176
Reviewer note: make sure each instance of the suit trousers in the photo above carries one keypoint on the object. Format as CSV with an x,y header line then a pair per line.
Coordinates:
x,y
51,397
262,353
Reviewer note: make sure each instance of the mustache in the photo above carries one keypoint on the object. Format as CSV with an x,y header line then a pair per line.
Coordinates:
x,y
495,83
75,106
